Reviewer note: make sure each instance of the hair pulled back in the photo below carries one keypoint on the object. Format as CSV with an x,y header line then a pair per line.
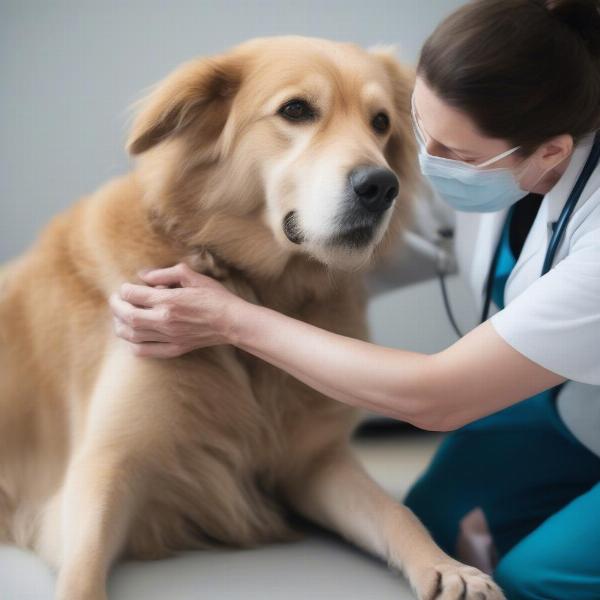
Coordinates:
x,y
523,70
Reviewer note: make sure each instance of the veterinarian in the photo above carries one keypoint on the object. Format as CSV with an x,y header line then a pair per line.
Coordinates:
x,y
506,110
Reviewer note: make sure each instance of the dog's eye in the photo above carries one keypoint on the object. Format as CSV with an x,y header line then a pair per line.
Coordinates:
x,y
380,122
297,110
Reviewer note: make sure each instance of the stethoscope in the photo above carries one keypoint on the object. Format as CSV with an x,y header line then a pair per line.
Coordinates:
x,y
558,232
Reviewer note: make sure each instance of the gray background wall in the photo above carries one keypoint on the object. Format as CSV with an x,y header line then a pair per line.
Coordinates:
x,y
70,68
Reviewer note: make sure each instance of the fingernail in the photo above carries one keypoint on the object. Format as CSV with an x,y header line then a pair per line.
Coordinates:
x,y
143,272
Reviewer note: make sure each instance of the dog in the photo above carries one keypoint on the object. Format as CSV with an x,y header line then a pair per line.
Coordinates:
x,y
284,167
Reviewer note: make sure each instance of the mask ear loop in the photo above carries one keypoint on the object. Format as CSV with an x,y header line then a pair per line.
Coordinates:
x,y
540,177
494,159
421,139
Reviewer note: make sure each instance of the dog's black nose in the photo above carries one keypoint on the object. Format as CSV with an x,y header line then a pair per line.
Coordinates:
x,y
375,187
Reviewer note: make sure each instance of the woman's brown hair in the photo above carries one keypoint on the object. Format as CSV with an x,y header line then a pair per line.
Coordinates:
x,y
523,70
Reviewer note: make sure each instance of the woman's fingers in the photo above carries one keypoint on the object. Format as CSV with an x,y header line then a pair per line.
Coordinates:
x,y
138,318
179,274
137,336
142,295
170,322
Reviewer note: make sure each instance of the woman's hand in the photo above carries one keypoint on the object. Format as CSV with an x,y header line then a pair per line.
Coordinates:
x,y
178,311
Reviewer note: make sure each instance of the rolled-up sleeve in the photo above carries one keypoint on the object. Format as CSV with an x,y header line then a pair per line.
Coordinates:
x,y
555,322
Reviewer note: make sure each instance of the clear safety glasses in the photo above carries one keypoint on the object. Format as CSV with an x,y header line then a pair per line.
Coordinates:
x,y
422,139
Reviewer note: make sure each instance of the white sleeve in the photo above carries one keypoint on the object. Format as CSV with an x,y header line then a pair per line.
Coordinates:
x,y
421,252
555,322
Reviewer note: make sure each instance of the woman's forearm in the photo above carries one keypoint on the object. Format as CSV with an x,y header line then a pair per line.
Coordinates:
x,y
353,371
476,376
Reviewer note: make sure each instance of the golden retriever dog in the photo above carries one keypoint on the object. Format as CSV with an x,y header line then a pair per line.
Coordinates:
x,y
283,167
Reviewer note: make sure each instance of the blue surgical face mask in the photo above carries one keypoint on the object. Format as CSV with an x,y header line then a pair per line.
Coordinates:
x,y
466,187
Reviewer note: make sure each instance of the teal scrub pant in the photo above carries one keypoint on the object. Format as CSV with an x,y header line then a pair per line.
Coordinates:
x,y
539,489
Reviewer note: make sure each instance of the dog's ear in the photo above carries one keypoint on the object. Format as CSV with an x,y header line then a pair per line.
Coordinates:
x,y
401,75
198,91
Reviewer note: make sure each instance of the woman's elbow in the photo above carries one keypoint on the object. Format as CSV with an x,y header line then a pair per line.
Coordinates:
x,y
434,423
432,415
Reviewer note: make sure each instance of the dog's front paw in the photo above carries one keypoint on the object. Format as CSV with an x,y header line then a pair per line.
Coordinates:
x,y
454,581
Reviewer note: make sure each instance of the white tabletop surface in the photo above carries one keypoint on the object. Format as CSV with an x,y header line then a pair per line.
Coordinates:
x,y
319,567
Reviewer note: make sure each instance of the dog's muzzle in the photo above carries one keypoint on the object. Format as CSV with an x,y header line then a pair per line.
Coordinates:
x,y
370,192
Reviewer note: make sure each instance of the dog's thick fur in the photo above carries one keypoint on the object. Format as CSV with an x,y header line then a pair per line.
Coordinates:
x,y
104,453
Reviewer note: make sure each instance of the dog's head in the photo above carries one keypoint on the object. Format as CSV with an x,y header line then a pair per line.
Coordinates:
x,y
290,145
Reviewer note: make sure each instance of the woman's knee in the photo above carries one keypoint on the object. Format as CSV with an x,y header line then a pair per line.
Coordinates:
x,y
521,578
457,482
